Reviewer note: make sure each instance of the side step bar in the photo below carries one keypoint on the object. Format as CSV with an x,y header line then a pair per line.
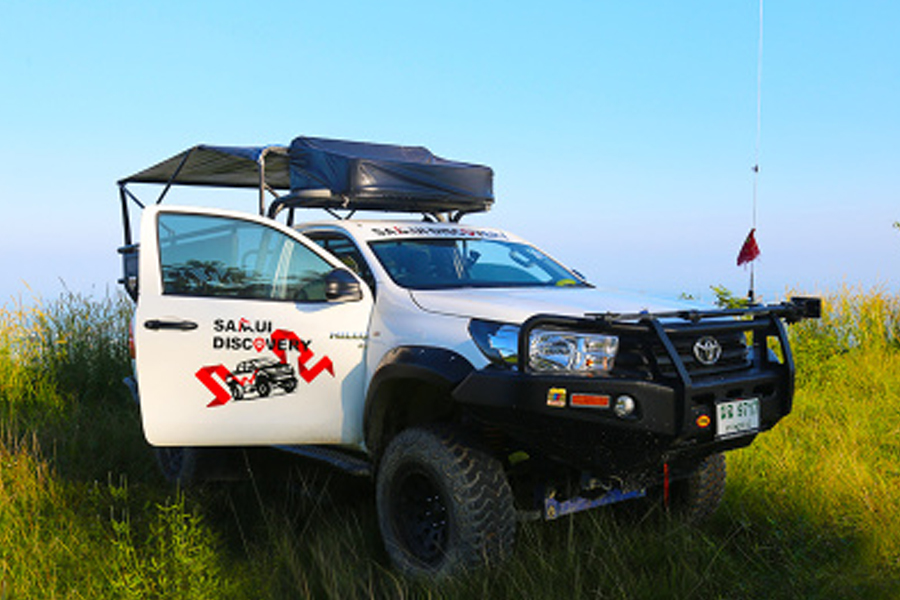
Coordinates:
x,y
333,456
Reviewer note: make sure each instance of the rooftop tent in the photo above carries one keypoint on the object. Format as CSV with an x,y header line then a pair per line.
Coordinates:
x,y
328,173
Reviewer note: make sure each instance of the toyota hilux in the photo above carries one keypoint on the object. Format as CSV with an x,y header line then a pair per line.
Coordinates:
x,y
473,376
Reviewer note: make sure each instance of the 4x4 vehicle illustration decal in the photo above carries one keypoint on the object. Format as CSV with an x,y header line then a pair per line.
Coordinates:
x,y
260,375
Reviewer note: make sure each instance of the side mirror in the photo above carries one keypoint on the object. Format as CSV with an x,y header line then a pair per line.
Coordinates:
x,y
342,286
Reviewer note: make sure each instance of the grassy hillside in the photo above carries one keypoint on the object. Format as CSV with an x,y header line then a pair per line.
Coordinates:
x,y
812,509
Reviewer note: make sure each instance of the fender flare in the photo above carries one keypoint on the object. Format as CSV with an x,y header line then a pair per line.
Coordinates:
x,y
435,367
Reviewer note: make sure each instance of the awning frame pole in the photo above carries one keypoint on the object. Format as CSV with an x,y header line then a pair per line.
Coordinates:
x,y
175,175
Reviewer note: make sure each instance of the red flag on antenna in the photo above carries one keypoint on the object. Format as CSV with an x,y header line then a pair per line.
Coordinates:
x,y
749,251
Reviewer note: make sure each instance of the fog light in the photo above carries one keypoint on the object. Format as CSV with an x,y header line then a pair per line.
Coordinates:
x,y
624,407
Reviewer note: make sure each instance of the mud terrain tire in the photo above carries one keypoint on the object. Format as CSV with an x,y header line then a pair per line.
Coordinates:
x,y
444,505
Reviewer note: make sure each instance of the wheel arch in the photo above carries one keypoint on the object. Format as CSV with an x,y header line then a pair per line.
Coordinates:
x,y
412,385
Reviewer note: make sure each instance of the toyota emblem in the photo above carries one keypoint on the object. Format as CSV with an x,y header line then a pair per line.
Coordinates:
x,y
707,350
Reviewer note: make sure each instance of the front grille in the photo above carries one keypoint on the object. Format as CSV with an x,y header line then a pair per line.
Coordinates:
x,y
734,353
645,357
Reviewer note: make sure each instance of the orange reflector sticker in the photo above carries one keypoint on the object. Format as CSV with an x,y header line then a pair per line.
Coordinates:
x,y
703,421
591,400
556,397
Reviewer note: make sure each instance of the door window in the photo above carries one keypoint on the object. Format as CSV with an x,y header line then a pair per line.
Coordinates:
x,y
204,255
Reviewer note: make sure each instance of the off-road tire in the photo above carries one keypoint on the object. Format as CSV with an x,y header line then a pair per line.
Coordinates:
x,y
444,505
696,498
189,466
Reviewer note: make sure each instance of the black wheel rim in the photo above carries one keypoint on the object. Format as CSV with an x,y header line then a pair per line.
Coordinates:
x,y
421,518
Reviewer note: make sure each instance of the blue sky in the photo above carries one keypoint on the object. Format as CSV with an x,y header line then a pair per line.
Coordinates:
x,y
622,134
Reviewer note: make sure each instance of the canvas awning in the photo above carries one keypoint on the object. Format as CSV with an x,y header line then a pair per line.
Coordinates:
x,y
220,166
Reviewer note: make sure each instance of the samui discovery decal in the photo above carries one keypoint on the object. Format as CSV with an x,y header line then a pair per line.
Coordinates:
x,y
261,374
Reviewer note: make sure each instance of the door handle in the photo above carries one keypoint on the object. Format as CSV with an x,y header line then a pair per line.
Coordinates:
x,y
156,324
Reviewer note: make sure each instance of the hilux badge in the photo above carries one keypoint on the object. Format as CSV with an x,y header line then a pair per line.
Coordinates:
x,y
707,350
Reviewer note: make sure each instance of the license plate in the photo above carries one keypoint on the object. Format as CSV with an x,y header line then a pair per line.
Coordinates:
x,y
737,417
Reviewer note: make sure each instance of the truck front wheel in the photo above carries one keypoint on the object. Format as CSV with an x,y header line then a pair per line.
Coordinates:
x,y
443,505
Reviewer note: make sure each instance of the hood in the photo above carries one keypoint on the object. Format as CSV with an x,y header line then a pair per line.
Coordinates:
x,y
515,305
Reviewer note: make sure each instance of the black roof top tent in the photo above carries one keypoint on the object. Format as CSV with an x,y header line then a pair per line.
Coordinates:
x,y
328,174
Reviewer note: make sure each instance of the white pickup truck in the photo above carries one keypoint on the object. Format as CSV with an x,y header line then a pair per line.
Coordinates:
x,y
474,377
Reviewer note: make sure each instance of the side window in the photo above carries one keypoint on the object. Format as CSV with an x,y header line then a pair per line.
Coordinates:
x,y
202,255
345,251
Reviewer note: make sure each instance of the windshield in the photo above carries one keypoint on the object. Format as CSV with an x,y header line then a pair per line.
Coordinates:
x,y
432,264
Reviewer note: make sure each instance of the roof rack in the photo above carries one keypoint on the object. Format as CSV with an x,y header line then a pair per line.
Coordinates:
x,y
329,174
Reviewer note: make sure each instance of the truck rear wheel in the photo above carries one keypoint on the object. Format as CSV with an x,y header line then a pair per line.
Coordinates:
x,y
180,465
443,505
189,466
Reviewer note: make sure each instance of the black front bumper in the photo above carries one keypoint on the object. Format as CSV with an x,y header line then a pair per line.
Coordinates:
x,y
571,419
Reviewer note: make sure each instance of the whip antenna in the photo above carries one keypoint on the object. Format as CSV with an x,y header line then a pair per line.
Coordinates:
x,y
750,251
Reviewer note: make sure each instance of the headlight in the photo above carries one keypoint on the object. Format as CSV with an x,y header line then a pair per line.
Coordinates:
x,y
497,341
571,352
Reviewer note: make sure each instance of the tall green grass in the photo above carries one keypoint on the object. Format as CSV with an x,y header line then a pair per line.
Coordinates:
x,y
71,524
834,464
812,508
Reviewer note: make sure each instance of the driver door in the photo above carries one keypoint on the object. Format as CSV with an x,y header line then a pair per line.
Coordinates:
x,y
237,342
